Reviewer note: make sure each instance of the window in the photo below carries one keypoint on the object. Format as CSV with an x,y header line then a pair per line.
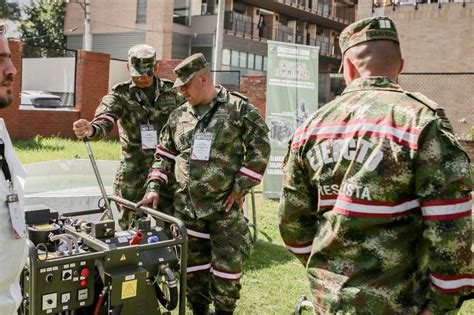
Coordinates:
x,y
226,57
243,60
141,11
181,12
251,61
264,63
234,59
258,62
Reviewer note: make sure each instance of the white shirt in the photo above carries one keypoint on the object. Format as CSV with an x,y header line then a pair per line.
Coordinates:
x,y
13,252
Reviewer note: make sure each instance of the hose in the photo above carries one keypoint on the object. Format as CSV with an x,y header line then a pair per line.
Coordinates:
x,y
101,301
172,285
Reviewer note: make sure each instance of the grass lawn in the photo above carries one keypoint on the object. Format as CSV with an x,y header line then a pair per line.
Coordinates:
x,y
273,280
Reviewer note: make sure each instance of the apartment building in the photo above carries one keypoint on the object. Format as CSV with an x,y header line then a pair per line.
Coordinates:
x,y
180,27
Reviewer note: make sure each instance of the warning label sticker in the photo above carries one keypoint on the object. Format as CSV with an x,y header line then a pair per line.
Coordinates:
x,y
129,289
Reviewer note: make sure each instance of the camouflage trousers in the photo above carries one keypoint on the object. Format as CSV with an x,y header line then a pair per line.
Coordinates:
x,y
216,247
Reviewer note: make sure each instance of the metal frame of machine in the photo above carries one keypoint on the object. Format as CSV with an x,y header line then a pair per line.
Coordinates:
x,y
126,263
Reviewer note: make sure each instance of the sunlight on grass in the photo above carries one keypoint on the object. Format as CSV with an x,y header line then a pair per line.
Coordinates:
x,y
40,149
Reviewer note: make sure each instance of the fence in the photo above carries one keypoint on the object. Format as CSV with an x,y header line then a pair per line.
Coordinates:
x,y
47,71
452,91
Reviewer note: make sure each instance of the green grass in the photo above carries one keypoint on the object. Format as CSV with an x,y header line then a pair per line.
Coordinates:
x,y
273,280
41,149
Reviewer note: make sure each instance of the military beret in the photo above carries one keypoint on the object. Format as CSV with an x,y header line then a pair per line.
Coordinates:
x,y
186,70
142,60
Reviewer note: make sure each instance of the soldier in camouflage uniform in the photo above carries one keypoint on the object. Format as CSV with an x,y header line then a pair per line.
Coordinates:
x,y
376,200
140,107
216,146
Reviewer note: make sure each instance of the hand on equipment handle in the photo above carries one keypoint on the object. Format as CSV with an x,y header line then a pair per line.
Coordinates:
x,y
150,199
82,128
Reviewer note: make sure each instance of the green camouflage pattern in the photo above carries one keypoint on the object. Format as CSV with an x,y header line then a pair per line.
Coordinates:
x,y
376,204
122,106
231,243
240,141
238,157
188,67
142,60
372,28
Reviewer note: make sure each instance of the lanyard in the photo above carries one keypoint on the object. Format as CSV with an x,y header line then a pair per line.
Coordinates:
x,y
3,161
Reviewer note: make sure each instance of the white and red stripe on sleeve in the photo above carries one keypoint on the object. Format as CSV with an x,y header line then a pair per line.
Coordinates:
x,y
156,174
247,171
105,117
447,209
449,284
300,249
165,153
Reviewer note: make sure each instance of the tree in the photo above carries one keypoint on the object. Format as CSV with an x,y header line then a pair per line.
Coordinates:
x,y
9,11
42,29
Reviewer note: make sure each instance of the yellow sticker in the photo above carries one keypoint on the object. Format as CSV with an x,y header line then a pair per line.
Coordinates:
x,y
123,257
43,227
129,289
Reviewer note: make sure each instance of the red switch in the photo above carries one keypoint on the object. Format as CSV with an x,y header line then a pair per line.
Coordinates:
x,y
83,283
85,272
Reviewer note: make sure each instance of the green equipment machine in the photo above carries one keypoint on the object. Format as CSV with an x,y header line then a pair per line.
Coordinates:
x,y
78,266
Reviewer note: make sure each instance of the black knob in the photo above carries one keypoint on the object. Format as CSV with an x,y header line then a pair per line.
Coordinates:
x,y
49,278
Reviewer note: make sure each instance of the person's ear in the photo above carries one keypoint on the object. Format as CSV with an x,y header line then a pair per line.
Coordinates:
x,y
352,71
128,67
402,63
157,68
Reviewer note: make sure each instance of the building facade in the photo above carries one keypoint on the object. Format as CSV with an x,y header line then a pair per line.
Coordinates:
x,y
435,35
180,27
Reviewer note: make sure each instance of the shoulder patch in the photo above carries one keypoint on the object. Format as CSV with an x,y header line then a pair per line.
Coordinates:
x,y
425,100
439,111
239,95
124,84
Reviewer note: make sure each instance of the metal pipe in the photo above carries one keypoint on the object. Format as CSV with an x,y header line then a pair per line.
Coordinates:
x,y
87,239
108,211
64,238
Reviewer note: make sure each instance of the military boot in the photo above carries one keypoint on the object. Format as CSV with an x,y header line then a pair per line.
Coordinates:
x,y
200,309
221,312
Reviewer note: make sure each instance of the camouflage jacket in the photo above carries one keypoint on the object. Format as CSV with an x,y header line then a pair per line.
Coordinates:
x,y
129,107
376,203
239,154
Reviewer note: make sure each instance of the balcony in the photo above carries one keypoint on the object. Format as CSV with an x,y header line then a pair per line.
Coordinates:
x,y
336,17
241,26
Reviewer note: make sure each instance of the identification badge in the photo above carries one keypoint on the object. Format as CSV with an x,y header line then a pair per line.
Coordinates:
x,y
202,146
16,216
149,137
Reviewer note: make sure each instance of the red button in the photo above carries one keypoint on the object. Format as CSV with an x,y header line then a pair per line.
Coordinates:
x,y
83,283
85,272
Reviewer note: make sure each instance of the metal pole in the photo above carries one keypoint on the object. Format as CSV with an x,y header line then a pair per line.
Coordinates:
x,y
108,211
219,39
87,26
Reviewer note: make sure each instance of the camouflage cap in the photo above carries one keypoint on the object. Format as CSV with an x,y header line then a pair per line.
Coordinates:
x,y
186,70
373,28
369,29
142,60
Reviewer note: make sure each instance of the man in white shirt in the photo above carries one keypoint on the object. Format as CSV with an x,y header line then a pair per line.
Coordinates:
x,y
13,248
